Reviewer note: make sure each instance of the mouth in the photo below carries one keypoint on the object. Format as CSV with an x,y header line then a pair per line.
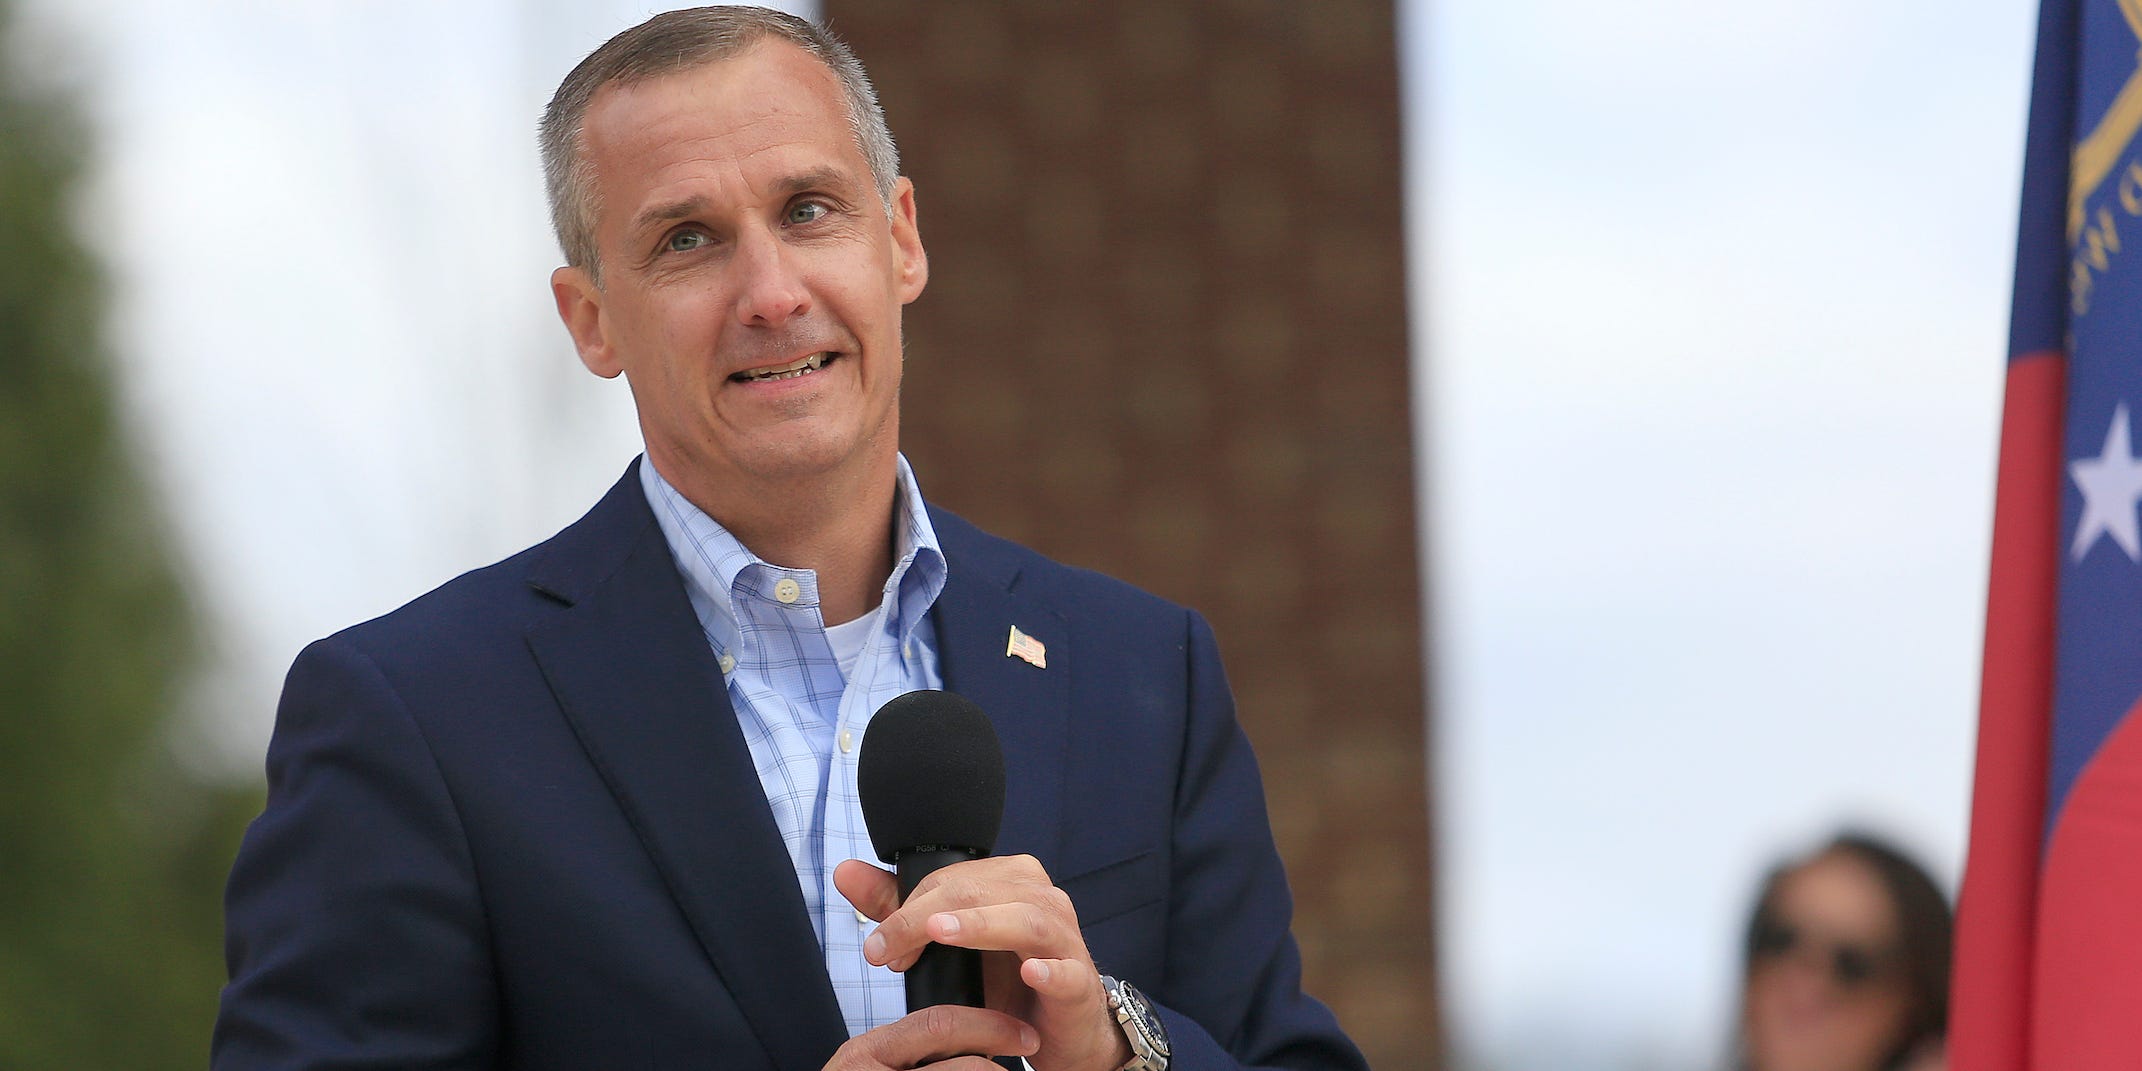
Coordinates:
x,y
793,370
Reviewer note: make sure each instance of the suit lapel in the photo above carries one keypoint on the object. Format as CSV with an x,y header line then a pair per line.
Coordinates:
x,y
633,674
1029,706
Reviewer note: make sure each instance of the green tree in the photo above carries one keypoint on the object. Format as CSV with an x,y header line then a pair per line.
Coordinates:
x,y
111,858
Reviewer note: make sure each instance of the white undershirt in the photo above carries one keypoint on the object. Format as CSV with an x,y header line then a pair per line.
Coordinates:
x,y
847,640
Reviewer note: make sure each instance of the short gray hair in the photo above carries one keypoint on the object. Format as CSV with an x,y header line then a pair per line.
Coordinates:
x,y
680,41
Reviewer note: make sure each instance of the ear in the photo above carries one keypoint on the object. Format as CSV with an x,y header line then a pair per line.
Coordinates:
x,y
580,306
909,260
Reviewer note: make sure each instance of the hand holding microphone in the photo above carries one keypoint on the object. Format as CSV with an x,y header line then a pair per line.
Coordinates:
x,y
931,777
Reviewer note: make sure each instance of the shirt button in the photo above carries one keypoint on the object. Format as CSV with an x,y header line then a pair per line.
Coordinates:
x,y
728,663
787,590
861,919
908,648
847,741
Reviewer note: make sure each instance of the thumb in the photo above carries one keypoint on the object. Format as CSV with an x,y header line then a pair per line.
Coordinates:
x,y
874,892
1073,1014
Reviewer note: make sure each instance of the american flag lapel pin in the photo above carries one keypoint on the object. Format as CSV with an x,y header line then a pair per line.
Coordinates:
x,y
1027,649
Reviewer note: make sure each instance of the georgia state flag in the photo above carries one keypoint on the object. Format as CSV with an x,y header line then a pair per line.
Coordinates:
x,y
2049,927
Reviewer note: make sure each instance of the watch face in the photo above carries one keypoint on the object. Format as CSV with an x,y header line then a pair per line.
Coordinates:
x,y
1142,1013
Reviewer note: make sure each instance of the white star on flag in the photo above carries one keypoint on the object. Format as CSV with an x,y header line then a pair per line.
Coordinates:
x,y
2111,485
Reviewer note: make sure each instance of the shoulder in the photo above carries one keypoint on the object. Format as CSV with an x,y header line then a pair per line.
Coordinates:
x,y
486,611
494,598
1033,575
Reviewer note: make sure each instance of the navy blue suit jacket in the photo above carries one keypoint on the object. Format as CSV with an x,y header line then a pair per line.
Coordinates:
x,y
514,824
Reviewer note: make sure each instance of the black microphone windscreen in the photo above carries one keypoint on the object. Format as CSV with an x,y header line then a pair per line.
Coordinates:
x,y
931,775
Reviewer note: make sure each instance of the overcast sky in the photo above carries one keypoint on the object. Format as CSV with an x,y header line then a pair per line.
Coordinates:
x,y
1715,301
1712,299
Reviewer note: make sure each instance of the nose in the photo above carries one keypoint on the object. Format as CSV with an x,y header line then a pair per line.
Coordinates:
x,y
770,289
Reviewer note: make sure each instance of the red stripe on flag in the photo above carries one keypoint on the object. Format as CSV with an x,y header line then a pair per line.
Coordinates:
x,y
1989,1021
2088,982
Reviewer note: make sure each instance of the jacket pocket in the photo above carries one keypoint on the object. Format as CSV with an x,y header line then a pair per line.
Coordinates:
x,y
1117,888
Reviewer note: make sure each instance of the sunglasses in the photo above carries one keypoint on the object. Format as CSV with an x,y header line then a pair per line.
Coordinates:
x,y
1850,965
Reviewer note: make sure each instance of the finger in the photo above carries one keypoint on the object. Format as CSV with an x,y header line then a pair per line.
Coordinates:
x,y
1010,869
1065,983
978,882
874,892
901,935
942,1032
1024,927
1071,1011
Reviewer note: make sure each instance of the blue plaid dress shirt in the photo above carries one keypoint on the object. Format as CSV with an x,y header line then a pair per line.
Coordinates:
x,y
803,722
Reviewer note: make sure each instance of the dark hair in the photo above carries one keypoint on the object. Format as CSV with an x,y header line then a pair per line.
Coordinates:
x,y
1924,922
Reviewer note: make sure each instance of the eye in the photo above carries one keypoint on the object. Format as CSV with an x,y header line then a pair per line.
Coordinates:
x,y
1853,966
806,212
1775,938
684,241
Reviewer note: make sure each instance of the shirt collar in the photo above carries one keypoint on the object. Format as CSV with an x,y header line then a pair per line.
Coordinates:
x,y
711,558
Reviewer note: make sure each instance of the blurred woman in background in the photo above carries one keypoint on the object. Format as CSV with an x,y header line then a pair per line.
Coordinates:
x,y
1847,964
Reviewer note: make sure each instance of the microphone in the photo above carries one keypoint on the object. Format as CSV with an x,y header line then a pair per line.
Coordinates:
x,y
931,778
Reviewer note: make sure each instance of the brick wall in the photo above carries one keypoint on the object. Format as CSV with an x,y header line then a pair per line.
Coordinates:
x,y
1165,337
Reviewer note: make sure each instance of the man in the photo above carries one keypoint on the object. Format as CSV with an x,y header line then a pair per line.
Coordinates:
x,y
594,806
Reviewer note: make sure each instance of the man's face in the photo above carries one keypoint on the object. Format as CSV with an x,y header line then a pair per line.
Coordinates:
x,y
752,278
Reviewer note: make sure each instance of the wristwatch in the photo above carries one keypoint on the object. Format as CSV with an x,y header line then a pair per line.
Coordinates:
x,y
1148,1039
